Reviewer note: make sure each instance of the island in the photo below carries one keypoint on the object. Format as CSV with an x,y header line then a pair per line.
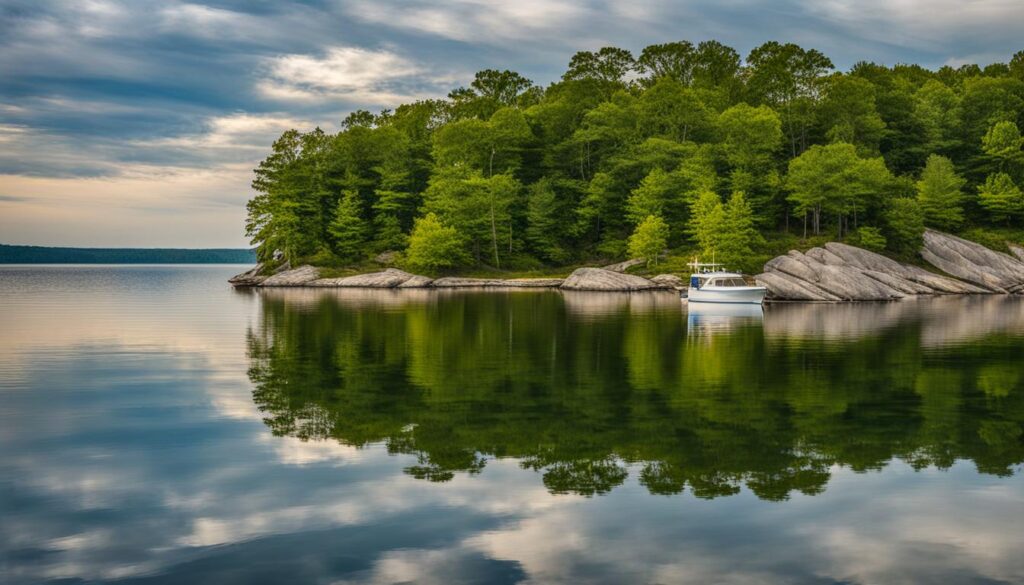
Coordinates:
x,y
874,183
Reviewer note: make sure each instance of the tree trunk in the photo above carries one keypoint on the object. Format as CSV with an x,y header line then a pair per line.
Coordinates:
x,y
494,237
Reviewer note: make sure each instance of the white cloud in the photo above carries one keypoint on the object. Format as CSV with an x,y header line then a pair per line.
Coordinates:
x,y
352,73
476,20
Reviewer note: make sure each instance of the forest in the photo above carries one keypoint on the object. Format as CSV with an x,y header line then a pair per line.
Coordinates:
x,y
685,149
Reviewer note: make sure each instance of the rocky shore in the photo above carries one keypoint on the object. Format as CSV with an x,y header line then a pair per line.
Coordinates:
x,y
833,273
839,272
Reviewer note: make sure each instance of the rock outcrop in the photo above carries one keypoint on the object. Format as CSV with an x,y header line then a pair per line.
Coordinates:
x,y
670,280
840,272
1017,251
250,277
973,262
599,279
625,265
417,281
457,282
390,278
301,276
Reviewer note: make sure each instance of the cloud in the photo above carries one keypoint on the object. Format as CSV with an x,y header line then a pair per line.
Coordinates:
x,y
350,73
478,20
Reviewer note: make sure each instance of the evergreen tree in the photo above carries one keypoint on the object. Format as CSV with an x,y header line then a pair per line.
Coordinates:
x,y
939,193
905,221
738,236
545,222
871,238
649,239
1001,197
348,229
389,234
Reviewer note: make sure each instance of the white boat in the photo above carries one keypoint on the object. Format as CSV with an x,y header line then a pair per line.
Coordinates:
x,y
711,283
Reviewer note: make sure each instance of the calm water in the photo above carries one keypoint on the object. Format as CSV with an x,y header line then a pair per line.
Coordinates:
x,y
157,426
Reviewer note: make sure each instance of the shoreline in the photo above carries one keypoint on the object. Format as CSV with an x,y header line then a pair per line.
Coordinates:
x,y
834,273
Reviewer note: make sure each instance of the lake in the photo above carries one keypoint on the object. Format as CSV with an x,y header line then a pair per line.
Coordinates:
x,y
159,427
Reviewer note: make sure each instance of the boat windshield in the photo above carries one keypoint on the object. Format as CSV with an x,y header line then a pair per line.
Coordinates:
x,y
729,282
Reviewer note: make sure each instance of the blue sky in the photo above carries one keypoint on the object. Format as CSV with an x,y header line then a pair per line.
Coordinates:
x,y
137,122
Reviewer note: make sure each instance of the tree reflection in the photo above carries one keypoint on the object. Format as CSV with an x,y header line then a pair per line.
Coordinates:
x,y
581,396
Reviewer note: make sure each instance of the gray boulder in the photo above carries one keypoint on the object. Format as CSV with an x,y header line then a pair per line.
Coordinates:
x,y
599,279
300,276
843,281
782,286
251,277
624,266
1017,251
417,281
459,282
390,278
670,280
973,262
534,282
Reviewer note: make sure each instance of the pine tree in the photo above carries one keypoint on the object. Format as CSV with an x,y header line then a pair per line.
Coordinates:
x,y
347,228
739,236
905,220
1001,197
389,234
544,222
939,193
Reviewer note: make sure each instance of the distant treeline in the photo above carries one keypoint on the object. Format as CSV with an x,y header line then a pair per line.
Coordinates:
x,y
46,255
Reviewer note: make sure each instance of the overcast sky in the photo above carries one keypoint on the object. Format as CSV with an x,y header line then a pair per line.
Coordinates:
x,y
137,122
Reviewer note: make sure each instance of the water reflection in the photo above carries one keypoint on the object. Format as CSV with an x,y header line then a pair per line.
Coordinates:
x,y
708,319
133,451
585,389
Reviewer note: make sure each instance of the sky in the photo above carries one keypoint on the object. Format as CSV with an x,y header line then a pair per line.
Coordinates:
x,y
136,123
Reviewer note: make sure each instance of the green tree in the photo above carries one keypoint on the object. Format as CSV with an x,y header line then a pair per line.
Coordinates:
x,y
649,197
1003,143
905,221
673,61
348,230
545,222
850,114
1001,197
738,237
835,179
434,246
649,239
939,193
871,238
708,223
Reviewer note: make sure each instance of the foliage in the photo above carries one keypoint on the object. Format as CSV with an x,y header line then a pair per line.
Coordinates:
x,y
347,229
871,238
649,239
530,174
939,192
434,246
1001,197
905,222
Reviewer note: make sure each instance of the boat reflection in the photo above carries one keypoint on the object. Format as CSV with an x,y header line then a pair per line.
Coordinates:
x,y
707,319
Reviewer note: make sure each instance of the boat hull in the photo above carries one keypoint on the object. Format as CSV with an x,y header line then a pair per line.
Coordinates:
x,y
745,295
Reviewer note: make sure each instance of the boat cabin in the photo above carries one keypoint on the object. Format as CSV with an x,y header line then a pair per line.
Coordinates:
x,y
699,281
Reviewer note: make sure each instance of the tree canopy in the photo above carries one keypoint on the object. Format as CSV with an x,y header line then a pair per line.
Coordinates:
x,y
529,174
